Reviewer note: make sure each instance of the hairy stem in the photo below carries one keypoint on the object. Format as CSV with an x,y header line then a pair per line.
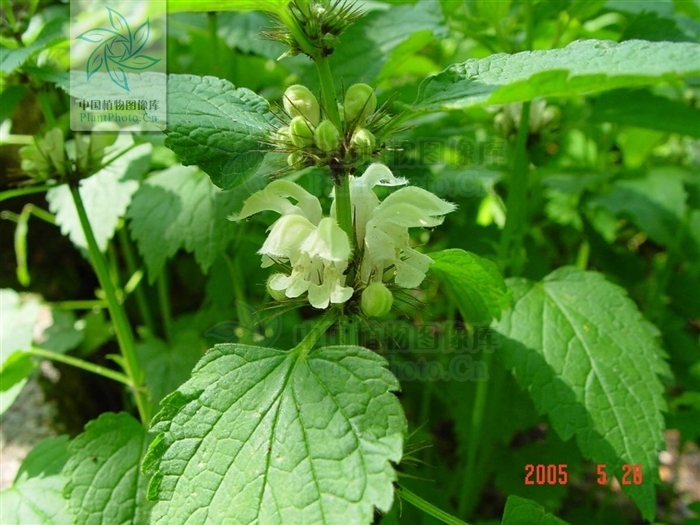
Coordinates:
x,y
125,336
319,328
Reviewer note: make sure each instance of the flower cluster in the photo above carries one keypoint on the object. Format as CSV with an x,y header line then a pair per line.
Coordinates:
x,y
316,253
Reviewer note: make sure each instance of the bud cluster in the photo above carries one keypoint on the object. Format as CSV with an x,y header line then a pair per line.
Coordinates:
x,y
313,140
52,157
321,21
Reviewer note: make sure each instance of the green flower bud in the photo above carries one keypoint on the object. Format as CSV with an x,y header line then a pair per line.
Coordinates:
x,y
104,134
327,137
360,102
295,160
277,295
376,300
300,132
363,141
299,101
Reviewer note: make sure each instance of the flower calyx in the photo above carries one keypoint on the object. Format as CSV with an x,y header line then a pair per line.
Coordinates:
x,y
310,139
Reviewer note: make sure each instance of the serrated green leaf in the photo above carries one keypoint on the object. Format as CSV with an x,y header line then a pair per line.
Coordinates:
x,y
590,361
476,283
104,481
220,128
181,208
52,33
36,495
168,365
277,437
106,195
521,511
581,67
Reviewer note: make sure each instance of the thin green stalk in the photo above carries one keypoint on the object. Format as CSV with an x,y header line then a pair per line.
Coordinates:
x,y
80,305
16,140
428,508
28,190
164,301
141,300
516,219
328,96
318,329
469,490
79,363
125,336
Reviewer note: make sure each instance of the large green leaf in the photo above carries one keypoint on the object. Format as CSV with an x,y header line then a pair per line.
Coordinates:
x,y
581,67
521,511
220,128
180,208
644,109
52,33
106,195
478,287
276,437
590,361
36,495
104,481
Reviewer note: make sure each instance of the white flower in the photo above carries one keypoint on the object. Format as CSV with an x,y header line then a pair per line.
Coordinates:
x,y
319,251
316,248
381,228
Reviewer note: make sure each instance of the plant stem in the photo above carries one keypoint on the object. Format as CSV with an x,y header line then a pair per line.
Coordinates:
x,y
469,490
79,363
17,140
328,96
125,336
428,508
319,328
19,192
141,301
163,300
80,305
513,233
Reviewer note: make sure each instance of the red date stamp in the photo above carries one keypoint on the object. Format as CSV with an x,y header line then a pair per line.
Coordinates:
x,y
556,474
